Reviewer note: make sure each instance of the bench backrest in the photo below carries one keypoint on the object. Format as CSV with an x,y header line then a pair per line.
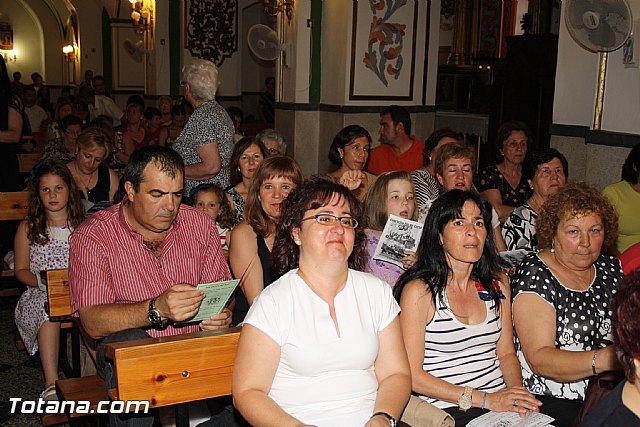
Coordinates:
x,y
26,162
14,205
58,297
173,370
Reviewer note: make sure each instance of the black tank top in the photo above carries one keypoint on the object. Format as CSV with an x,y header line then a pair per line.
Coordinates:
x,y
100,193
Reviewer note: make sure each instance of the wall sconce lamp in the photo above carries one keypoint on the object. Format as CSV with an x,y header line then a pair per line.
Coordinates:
x,y
9,55
141,16
70,52
274,7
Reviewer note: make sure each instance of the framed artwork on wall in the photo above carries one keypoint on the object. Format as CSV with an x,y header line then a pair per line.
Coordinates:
x,y
383,50
6,39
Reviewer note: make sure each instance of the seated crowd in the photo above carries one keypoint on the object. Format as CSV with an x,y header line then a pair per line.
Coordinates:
x,y
332,334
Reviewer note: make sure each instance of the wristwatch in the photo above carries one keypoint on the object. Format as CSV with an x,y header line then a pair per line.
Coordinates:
x,y
464,402
153,314
392,421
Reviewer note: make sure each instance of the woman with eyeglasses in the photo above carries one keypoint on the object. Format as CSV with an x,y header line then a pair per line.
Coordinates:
x,y
504,185
321,346
252,240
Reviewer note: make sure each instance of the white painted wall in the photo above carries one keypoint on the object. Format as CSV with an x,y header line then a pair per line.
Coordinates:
x,y
576,80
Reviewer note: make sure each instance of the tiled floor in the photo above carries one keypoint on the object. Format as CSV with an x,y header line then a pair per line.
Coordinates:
x,y
20,375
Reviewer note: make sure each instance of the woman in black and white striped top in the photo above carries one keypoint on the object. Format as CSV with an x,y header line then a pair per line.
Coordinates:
x,y
456,315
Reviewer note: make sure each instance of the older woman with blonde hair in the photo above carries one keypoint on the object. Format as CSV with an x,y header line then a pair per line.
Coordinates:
x,y
206,141
250,249
97,183
561,303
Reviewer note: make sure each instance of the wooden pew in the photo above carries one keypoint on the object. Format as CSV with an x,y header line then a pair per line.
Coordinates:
x,y
13,207
164,371
26,162
58,307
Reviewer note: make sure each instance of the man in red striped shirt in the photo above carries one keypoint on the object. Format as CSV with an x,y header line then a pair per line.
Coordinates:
x,y
133,266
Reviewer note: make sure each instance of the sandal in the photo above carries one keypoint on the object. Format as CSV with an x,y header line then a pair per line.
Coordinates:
x,y
49,393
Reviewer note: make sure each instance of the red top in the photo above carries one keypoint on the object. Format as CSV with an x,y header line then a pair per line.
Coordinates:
x,y
384,159
630,259
109,263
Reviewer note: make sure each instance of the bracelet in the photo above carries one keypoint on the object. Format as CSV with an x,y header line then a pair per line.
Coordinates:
x,y
484,399
390,419
593,362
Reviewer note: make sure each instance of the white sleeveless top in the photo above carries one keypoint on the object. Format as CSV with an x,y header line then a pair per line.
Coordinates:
x,y
463,354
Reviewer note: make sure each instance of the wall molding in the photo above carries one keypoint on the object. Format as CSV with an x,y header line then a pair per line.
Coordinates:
x,y
350,109
601,137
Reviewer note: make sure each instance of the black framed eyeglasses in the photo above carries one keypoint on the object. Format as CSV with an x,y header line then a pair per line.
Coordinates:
x,y
327,219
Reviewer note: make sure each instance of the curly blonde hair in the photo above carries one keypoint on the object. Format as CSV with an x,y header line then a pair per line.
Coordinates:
x,y
577,198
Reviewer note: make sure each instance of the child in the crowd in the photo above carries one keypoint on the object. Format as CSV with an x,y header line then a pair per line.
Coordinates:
x,y
391,194
42,243
211,199
152,118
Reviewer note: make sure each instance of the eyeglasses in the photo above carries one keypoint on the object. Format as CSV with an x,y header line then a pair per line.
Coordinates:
x,y
326,219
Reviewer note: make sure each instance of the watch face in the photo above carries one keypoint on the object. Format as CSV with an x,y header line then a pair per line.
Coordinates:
x,y
154,317
464,402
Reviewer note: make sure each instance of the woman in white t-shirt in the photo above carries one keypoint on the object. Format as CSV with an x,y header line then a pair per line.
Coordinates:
x,y
322,345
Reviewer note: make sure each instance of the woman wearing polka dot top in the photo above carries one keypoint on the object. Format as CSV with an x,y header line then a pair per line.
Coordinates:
x,y
561,308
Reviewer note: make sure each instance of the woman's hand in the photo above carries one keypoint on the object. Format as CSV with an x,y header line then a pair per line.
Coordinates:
x,y
352,179
377,421
409,260
513,399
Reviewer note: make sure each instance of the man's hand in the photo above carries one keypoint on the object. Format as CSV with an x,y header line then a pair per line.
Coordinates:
x,y
180,302
217,321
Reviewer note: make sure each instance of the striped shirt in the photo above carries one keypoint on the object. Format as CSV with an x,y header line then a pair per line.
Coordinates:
x,y
463,354
110,264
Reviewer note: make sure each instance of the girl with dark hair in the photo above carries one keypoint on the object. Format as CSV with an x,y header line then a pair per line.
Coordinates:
x,y
322,345
247,155
624,195
456,315
349,152
11,121
252,239
42,243
212,200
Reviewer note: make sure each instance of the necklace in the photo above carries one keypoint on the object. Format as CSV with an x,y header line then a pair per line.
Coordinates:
x,y
85,184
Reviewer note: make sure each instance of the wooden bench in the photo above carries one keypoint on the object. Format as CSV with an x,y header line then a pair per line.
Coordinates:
x,y
26,162
13,207
163,371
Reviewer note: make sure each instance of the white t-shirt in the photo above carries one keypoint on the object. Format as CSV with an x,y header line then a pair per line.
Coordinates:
x,y
324,379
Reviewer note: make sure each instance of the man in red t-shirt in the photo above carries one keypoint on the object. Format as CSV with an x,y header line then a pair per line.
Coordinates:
x,y
399,149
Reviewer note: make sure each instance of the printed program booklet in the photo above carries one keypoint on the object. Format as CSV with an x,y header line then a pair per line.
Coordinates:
x,y
217,296
399,234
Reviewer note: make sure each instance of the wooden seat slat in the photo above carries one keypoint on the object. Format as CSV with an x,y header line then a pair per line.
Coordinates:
x,y
89,388
58,296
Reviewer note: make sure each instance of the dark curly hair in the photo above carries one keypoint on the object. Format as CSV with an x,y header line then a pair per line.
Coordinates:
x,y
631,166
431,265
312,194
434,139
226,216
345,137
574,199
625,323
235,176
36,213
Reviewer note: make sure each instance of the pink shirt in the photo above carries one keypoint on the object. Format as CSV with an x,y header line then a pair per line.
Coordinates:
x,y
110,264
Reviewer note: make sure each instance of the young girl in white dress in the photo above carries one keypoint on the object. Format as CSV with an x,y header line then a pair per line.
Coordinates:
x,y
42,243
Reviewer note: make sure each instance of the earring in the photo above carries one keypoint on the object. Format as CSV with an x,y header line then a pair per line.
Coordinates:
x,y
553,247
297,242
341,156
238,169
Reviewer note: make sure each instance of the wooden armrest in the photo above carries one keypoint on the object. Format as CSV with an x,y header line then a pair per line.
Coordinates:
x,y
177,369
58,294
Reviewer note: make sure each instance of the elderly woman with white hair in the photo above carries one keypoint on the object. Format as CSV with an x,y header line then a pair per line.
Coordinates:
x,y
206,141
273,140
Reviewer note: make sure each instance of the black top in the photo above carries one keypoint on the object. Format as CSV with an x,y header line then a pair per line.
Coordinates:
x,y
269,275
100,192
611,412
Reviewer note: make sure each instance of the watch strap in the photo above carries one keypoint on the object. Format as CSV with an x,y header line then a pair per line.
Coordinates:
x,y
392,421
